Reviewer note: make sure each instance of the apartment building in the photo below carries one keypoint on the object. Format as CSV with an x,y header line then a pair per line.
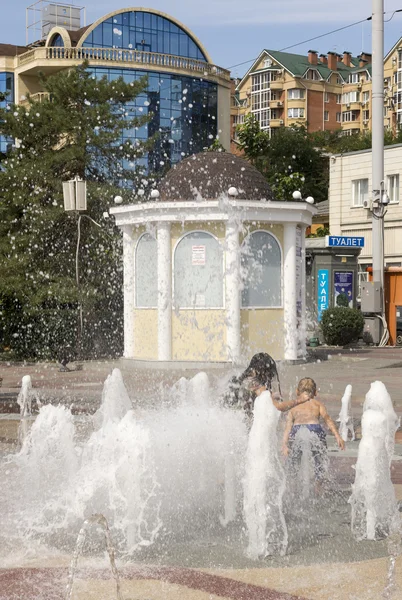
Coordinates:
x,y
188,96
283,89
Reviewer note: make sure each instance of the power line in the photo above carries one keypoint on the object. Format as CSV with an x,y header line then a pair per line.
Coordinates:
x,y
316,37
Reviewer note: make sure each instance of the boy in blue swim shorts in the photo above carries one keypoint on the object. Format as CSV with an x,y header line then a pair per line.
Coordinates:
x,y
303,424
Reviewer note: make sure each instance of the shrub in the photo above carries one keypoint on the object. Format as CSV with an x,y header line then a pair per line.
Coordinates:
x,y
341,325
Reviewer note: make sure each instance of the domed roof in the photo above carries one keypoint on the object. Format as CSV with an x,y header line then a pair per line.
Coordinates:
x,y
207,175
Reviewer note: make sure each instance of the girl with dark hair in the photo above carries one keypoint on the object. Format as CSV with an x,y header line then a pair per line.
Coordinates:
x,y
257,378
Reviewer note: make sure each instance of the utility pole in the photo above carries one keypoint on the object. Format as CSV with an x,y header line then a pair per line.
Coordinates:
x,y
379,198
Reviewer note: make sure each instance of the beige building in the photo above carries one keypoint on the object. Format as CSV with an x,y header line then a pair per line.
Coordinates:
x,y
283,89
214,267
188,95
326,92
350,202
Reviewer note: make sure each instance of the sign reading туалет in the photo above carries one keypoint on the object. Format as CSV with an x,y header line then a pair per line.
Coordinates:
x,y
342,241
322,291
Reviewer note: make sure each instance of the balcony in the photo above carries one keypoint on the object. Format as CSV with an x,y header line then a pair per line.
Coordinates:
x,y
277,84
276,104
276,123
38,58
39,97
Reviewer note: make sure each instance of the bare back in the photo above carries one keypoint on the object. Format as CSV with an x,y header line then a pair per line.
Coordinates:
x,y
307,413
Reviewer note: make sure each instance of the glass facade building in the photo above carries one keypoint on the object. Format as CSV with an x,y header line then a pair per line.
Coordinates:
x,y
186,97
184,109
6,88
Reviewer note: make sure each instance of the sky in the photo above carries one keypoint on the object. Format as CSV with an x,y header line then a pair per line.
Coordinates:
x,y
235,31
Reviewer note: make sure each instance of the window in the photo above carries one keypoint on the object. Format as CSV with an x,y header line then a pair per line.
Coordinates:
x,y
366,115
399,59
296,113
349,97
141,30
146,262
261,264
338,117
326,115
198,272
339,98
366,97
295,94
326,97
393,188
349,116
312,74
267,63
354,78
359,192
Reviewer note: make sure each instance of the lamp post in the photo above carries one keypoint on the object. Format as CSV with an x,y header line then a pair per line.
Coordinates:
x,y
75,199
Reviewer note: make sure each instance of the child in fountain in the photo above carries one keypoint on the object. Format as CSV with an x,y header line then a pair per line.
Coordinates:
x,y
306,417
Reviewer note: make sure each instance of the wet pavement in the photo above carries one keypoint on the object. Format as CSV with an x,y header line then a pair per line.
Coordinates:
x,y
347,571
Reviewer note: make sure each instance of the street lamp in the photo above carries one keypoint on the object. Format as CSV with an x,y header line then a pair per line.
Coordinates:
x,y
75,199
297,196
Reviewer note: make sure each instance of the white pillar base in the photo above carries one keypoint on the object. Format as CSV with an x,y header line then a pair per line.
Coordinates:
x,y
232,282
129,242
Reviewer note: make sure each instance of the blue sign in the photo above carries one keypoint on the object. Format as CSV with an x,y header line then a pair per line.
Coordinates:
x,y
322,291
342,241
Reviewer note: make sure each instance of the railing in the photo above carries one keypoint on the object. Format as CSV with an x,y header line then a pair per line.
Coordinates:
x,y
38,97
130,57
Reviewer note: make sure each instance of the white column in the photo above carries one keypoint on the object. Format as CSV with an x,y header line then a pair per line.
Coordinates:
x,y
164,292
289,291
303,325
129,240
232,287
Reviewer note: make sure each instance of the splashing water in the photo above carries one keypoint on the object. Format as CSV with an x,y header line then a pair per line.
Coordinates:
x,y
173,472
24,401
345,419
264,483
373,502
102,522
378,399
308,463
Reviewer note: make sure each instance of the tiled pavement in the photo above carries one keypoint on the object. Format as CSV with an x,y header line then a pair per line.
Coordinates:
x,y
339,581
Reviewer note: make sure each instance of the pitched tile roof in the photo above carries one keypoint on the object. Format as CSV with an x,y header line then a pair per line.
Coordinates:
x,y
297,64
12,49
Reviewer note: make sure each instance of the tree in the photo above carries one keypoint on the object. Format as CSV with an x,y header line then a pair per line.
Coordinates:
x,y
76,131
289,154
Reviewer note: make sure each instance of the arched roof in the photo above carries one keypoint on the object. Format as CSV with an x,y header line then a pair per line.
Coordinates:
x,y
151,11
62,32
209,175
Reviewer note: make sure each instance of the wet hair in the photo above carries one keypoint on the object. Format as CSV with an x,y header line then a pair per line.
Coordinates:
x,y
307,385
263,368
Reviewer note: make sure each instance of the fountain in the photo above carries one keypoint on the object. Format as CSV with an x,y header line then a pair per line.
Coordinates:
x,y
374,508
345,418
24,401
264,484
378,399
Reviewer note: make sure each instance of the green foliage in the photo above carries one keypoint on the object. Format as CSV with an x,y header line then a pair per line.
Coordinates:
x,y
341,325
289,159
76,131
342,300
216,146
335,142
320,232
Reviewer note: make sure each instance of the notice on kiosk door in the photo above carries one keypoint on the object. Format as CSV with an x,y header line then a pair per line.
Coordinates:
x,y
343,288
322,291
198,255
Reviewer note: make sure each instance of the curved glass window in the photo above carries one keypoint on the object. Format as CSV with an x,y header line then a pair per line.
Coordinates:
x,y
198,272
138,30
261,264
57,41
6,88
184,115
146,272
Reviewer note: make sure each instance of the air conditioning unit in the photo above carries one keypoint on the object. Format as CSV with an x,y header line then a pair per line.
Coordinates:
x,y
359,85
367,204
279,104
281,121
348,106
365,122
